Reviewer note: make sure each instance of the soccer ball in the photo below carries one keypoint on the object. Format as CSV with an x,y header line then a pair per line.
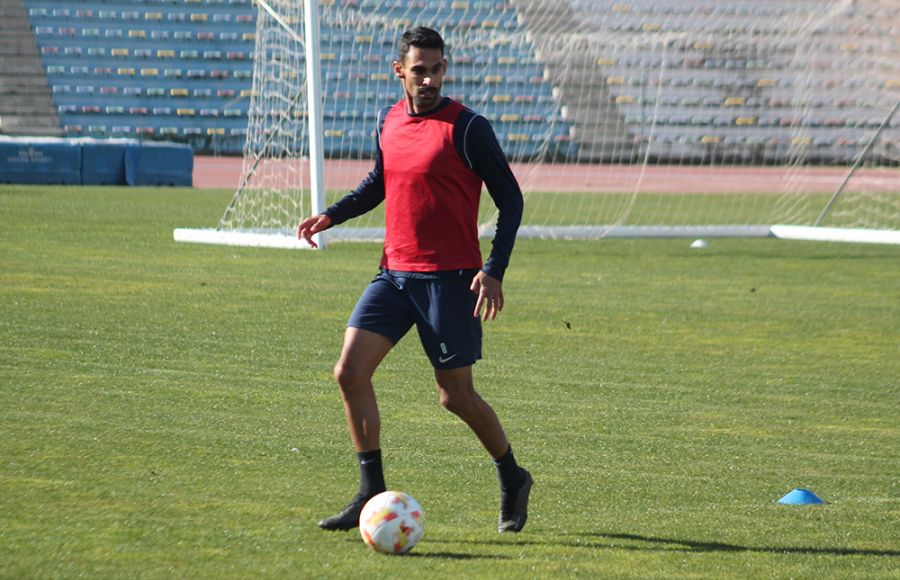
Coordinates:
x,y
392,522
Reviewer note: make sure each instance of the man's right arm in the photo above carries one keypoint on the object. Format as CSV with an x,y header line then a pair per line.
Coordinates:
x,y
366,197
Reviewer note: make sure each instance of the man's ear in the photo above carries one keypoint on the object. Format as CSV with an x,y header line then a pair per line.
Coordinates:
x,y
398,70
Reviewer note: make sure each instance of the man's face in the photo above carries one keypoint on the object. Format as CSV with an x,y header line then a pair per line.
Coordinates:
x,y
422,73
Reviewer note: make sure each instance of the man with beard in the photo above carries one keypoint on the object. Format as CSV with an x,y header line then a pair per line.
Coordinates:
x,y
433,155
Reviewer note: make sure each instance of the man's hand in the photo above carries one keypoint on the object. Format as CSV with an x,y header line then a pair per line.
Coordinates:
x,y
311,226
490,296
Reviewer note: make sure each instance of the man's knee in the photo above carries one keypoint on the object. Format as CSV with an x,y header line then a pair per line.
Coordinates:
x,y
457,390
351,378
459,401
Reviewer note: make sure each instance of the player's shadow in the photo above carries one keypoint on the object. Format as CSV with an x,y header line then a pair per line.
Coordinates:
x,y
419,552
675,544
637,542
454,555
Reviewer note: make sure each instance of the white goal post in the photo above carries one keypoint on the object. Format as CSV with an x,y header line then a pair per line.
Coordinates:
x,y
653,118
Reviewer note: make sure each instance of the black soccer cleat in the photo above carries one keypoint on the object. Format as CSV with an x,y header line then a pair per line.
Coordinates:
x,y
348,518
514,506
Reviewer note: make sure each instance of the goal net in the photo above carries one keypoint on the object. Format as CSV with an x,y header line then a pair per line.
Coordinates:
x,y
644,117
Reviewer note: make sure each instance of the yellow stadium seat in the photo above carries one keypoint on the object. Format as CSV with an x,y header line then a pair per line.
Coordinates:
x,y
179,92
735,101
502,98
126,71
167,53
118,52
186,112
149,72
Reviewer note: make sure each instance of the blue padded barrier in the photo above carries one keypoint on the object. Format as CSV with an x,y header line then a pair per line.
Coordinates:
x,y
36,160
40,161
103,162
159,164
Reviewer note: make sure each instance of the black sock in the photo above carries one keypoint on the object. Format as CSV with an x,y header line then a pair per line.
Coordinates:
x,y
371,473
509,473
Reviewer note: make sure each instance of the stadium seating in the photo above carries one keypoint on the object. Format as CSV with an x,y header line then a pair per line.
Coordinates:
x,y
183,70
737,98
163,89
194,85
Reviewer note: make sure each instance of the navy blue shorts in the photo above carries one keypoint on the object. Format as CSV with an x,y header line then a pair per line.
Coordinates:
x,y
439,304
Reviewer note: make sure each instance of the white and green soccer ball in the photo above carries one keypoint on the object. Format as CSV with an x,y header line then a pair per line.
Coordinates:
x,y
392,522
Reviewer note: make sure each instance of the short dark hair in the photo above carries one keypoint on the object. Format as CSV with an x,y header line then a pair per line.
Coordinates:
x,y
420,37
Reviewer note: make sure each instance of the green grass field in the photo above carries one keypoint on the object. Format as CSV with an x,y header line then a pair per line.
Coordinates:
x,y
167,410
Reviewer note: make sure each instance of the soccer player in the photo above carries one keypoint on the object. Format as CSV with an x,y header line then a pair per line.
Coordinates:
x,y
433,154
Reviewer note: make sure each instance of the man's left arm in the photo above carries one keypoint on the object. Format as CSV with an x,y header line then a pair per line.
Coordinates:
x,y
487,159
484,155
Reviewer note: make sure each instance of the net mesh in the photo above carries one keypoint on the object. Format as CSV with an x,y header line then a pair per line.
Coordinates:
x,y
644,113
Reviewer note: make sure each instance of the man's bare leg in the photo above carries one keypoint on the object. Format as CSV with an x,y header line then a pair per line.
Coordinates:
x,y
457,392
363,351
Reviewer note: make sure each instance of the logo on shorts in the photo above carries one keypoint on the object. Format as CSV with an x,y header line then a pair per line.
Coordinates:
x,y
444,359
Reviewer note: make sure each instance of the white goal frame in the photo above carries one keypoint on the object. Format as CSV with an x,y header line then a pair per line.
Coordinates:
x,y
287,239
